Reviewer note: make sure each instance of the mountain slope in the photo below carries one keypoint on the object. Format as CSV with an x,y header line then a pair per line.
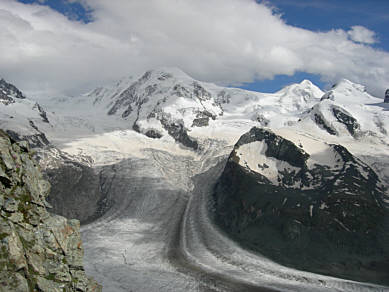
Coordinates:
x,y
348,110
308,205
22,117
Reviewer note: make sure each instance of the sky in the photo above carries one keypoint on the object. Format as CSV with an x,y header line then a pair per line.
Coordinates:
x,y
67,47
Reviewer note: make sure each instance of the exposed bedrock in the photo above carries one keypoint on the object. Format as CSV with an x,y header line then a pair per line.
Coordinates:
x,y
76,190
38,251
311,216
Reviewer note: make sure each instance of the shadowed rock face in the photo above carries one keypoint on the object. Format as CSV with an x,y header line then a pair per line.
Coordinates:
x,y
38,251
75,191
387,95
320,219
75,185
346,119
179,133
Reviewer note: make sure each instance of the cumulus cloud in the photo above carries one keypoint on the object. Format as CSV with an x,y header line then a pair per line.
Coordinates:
x,y
222,41
361,34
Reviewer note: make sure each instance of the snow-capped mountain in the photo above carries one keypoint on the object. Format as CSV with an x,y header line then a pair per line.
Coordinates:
x,y
9,92
170,102
167,102
348,110
20,116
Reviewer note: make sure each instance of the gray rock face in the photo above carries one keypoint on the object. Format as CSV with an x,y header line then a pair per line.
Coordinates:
x,y
328,95
42,112
386,96
179,133
317,218
38,251
75,191
130,96
8,92
202,119
342,116
346,119
35,140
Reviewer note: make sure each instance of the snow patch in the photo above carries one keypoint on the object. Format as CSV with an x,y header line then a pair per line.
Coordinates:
x,y
252,156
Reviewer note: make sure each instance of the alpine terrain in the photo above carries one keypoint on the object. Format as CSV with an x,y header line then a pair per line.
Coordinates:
x,y
183,185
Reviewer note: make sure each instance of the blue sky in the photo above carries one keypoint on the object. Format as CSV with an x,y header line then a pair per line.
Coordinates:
x,y
222,41
324,15
72,10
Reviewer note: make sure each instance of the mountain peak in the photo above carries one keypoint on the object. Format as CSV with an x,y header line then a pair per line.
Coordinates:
x,y
306,82
345,84
349,92
305,88
163,73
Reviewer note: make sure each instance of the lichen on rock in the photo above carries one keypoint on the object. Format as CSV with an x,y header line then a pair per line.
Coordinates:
x,y
39,251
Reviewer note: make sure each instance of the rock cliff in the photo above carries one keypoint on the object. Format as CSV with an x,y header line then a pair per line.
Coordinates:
x,y
305,204
38,251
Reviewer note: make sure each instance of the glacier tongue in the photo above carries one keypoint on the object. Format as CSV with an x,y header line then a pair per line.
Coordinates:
x,y
158,235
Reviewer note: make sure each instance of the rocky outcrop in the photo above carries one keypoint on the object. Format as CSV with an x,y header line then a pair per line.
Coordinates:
x,y
8,92
38,251
202,119
347,120
320,121
179,133
319,212
42,112
34,140
387,96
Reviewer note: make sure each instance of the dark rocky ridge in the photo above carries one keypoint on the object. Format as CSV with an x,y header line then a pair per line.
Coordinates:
x,y
386,96
319,120
338,227
35,140
179,133
346,119
341,115
8,92
42,113
38,251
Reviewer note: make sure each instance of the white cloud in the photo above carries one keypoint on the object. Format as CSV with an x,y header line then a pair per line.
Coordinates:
x,y
361,34
223,41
